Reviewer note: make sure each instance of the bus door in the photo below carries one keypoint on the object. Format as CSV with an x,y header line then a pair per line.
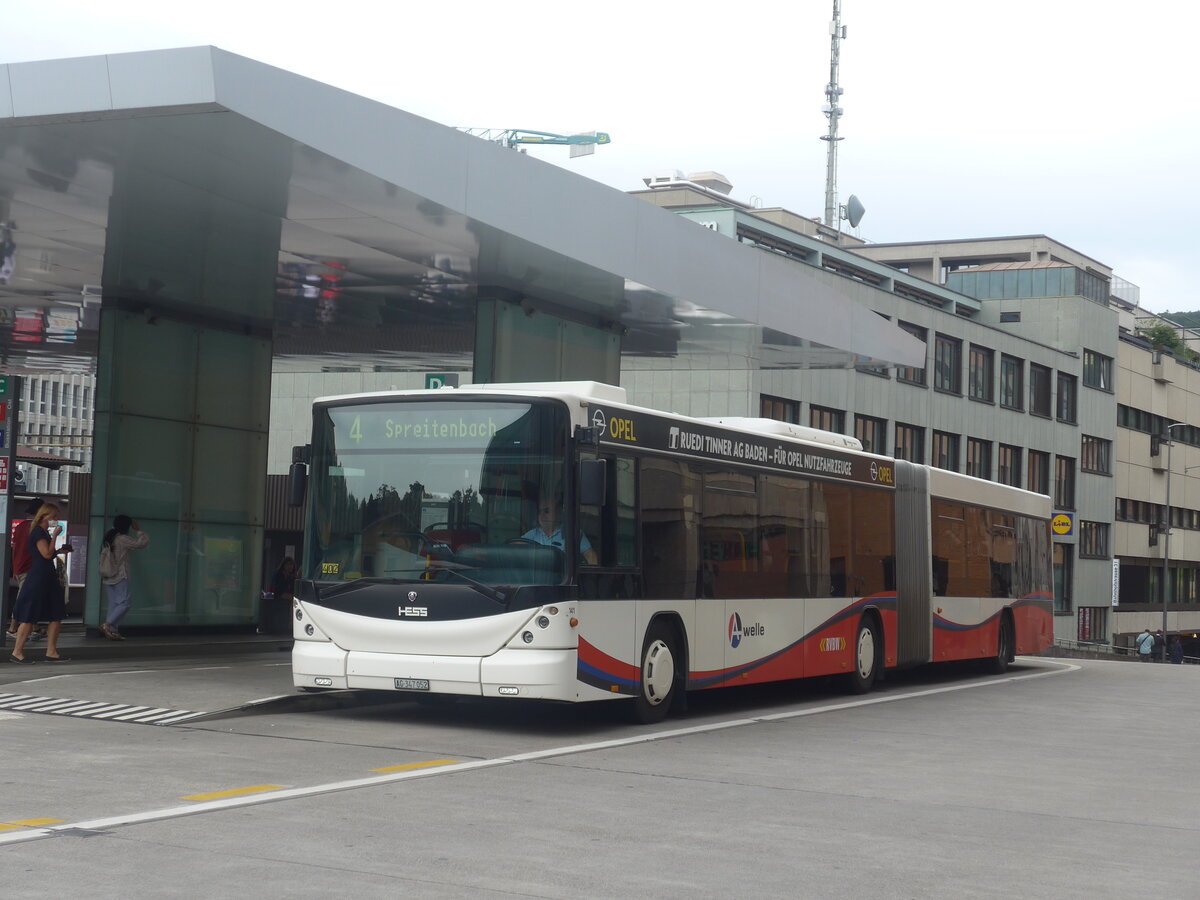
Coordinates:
x,y
611,532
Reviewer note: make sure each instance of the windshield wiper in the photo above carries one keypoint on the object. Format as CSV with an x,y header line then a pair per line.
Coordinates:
x,y
486,589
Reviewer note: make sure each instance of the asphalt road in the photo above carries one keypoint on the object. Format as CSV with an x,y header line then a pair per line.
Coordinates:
x,y
1062,779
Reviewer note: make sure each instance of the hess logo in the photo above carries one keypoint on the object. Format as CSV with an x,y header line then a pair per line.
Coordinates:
x,y
737,631
418,611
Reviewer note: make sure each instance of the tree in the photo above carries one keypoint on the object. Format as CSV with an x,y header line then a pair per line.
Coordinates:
x,y
1163,334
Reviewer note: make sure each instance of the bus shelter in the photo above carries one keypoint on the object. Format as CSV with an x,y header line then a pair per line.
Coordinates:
x,y
189,219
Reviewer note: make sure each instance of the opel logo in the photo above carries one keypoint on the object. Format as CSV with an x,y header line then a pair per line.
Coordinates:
x,y
412,596
599,420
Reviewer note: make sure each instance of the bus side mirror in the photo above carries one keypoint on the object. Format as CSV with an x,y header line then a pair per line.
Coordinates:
x,y
298,475
593,482
297,483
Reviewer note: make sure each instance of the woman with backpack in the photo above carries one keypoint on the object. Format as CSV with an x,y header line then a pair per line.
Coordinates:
x,y
114,570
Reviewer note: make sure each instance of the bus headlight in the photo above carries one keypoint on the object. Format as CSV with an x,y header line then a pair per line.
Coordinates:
x,y
543,622
308,629
527,637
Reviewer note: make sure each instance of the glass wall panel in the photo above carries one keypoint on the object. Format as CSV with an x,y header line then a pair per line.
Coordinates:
x,y
219,492
1039,282
152,368
222,575
233,387
156,573
150,462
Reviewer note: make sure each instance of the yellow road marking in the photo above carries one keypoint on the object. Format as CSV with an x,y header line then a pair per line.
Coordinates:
x,y
420,765
30,822
4,826
236,792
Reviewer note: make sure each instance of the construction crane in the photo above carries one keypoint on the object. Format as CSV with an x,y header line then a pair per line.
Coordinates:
x,y
580,144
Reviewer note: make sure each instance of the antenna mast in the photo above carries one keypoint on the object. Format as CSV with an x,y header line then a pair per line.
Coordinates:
x,y
833,112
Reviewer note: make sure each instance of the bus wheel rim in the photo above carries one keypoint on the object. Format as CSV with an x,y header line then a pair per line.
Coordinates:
x,y
866,651
658,673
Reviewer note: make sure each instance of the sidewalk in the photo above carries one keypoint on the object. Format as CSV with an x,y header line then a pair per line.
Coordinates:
x,y
89,644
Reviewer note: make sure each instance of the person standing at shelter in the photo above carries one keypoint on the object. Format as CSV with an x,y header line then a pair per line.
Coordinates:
x,y
1175,653
21,558
118,542
41,597
1145,646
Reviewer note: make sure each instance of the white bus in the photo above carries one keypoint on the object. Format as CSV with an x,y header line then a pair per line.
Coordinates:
x,y
551,541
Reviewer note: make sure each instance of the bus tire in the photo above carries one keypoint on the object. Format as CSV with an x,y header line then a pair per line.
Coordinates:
x,y
659,675
998,664
867,647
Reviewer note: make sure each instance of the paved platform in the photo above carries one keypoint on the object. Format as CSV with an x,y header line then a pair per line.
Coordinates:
x,y
81,643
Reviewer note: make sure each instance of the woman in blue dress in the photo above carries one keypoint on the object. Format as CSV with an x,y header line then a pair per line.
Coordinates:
x,y
41,598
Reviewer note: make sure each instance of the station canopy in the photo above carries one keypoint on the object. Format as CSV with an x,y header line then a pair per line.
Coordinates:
x,y
385,230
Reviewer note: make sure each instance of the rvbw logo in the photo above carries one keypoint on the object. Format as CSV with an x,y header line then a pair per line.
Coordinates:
x,y
737,632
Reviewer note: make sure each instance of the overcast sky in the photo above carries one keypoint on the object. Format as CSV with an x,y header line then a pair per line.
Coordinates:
x,y
962,119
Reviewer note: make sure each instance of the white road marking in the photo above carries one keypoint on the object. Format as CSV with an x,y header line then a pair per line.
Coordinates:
x,y
174,812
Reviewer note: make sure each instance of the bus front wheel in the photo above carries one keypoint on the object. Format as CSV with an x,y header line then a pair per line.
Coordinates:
x,y
659,676
866,657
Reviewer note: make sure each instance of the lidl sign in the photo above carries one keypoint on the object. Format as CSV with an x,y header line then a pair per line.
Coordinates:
x,y
1062,524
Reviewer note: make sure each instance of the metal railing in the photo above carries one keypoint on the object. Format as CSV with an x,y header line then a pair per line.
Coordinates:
x,y
1101,649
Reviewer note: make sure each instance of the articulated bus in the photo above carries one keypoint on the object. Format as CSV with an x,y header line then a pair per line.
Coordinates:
x,y
552,541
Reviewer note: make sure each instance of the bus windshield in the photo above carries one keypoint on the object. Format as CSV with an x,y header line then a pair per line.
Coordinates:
x,y
424,490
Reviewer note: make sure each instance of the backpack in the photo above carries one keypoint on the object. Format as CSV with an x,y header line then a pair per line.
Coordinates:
x,y
108,562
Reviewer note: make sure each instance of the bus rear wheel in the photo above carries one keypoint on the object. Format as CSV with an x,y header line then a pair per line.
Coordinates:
x,y
866,657
998,664
659,676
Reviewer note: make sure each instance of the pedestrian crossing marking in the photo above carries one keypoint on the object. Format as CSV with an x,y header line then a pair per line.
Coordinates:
x,y
95,709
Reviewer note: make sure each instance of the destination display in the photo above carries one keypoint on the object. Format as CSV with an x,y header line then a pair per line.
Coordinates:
x,y
421,426
630,428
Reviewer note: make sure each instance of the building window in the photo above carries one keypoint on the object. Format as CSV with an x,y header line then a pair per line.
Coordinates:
x,y
982,376
1039,472
1096,455
910,443
979,458
1062,578
1010,317
1009,465
1093,540
944,451
947,364
871,433
1012,382
778,408
827,419
1064,482
910,374
1039,390
1097,370
1066,398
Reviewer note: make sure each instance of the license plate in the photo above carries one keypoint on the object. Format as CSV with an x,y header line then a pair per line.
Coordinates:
x,y
412,684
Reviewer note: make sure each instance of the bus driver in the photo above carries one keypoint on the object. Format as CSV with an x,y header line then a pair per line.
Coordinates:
x,y
549,530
